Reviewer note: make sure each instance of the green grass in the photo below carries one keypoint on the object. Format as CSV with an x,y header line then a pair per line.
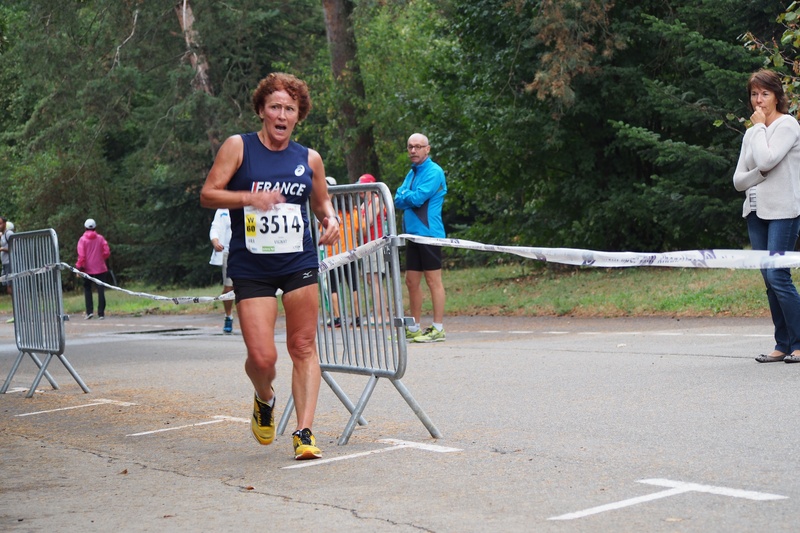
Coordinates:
x,y
511,290
525,290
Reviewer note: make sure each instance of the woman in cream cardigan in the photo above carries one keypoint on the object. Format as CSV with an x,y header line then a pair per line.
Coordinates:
x,y
769,172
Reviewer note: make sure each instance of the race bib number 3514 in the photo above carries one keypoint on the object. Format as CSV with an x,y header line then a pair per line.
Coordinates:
x,y
277,231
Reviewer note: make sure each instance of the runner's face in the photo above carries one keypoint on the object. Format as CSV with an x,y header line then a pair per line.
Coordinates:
x,y
280,115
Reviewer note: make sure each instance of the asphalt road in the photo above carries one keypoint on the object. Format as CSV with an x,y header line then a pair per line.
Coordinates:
x,y
554,424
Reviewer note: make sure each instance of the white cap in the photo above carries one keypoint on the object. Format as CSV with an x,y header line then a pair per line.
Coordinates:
x,y
10,226
90,223
330,180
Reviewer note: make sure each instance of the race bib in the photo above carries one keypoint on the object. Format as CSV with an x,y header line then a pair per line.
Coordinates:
x,y
277,231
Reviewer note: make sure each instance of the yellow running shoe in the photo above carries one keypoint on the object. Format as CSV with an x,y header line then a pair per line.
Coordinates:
x,y
263,423
411,335
431,335
305,445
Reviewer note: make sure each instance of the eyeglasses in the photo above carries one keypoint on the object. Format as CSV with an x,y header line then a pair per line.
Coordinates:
x,y
418,147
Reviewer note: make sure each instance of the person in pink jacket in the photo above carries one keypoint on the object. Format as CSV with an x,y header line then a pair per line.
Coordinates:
x,y
93,251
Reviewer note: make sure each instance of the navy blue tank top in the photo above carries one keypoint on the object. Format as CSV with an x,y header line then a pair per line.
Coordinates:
x,y
263,169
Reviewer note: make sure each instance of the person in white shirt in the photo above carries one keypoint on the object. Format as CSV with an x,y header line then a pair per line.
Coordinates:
x,y
768,172
220,236
6,231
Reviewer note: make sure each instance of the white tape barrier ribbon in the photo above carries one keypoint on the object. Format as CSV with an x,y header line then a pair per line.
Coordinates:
x,y
739,259
351,255
65,266
735,259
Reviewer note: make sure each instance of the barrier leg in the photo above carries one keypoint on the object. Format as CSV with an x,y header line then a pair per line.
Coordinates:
x,y
74,374
39,375
285,416
15,367
337,390
435,433
46,373
362,403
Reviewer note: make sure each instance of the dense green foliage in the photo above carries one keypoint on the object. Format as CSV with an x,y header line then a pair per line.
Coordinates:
x,y
625,155
579,123
103,120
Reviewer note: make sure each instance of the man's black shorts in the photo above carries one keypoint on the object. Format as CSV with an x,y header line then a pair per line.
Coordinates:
x,y
422,257
345,274
6,272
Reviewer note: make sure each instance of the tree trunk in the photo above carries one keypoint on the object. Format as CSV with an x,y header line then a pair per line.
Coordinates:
x,y
356,132
198,61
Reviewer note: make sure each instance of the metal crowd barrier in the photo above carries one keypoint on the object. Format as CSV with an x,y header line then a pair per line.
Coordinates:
x,y
38,305
369,339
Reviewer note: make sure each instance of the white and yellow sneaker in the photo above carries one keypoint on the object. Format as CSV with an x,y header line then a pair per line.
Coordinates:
x,y
263,422
431,335
305,445
411,335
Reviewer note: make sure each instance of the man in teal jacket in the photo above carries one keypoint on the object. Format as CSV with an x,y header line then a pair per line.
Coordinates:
x,y
420,197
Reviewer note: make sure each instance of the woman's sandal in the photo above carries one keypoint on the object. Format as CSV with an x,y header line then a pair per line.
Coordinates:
x,y
791,359
777,359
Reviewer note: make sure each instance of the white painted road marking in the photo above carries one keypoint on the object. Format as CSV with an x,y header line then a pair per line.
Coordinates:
x,y
21,389
676,487
217,420
398,445
421,446
721,491
173,428
618,505
99,401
